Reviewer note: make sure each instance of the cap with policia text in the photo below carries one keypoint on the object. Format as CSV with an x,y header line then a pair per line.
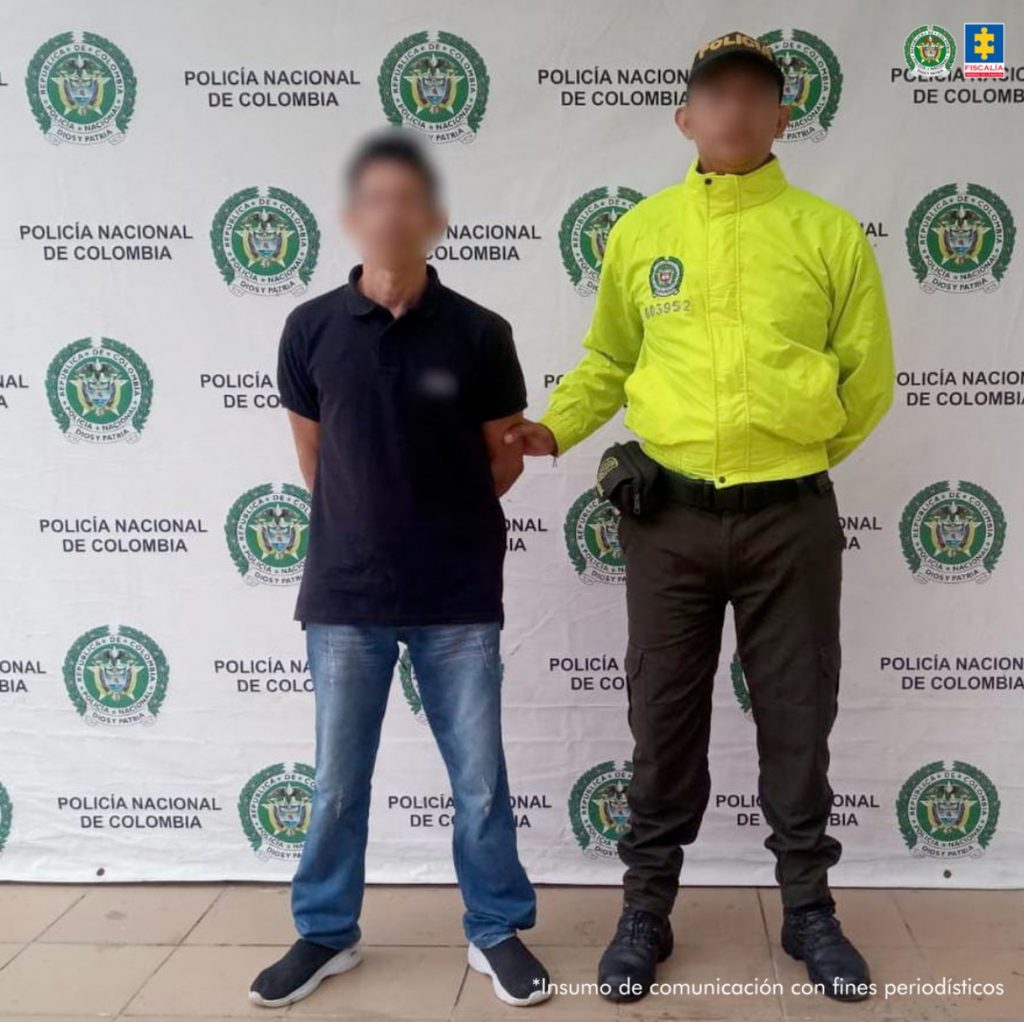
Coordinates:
x,y
736,46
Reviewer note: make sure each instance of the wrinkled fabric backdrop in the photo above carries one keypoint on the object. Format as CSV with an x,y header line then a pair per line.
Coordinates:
x,y
170,192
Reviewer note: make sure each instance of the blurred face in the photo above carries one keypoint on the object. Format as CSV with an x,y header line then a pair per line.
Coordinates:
x,y
733,114
391,215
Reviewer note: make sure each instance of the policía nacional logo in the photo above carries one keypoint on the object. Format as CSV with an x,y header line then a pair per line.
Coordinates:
x,y
952,532
275,808
592,537
814,82
99,390
598,810
947,812
116,676
438,87
930,52
666,276
267,530
265,241
583,234
960,239
740,688
81,90
411,686
6,816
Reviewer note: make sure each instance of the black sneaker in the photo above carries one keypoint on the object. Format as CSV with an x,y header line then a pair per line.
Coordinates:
x,y
813,935
628,965
516,975
300,972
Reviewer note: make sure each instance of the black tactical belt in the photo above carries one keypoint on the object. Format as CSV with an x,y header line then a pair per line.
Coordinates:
x,y
703,494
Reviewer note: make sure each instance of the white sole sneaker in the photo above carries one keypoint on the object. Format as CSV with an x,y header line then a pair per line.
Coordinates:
x,y
478,962
347,958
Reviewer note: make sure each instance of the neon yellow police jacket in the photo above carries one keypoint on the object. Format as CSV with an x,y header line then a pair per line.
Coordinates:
x,y
743,322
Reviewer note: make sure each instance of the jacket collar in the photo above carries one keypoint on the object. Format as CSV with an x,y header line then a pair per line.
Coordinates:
x,y
359,305
736,191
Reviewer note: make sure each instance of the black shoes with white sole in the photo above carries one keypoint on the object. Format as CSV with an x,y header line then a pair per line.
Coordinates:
x,y
517,977
300,972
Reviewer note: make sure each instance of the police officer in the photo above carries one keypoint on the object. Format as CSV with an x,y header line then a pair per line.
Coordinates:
x,y
743,322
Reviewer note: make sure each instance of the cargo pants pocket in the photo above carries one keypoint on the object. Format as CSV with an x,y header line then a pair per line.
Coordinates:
x,y
830,659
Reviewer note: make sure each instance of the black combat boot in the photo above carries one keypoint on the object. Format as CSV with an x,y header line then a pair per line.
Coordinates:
x,y
812,934
628,965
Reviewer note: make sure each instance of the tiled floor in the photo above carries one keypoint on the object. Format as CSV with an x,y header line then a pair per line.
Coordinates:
x,y
172,952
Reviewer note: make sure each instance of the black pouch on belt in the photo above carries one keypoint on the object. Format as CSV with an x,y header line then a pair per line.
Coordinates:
x,y
628,479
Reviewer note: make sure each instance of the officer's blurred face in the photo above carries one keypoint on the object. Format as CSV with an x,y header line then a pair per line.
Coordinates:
x,y
733,113
392,215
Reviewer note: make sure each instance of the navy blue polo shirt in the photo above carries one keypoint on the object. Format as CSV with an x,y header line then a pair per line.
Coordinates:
x,y
406,528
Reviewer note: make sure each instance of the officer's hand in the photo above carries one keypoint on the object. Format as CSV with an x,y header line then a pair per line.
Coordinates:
x,y
536,439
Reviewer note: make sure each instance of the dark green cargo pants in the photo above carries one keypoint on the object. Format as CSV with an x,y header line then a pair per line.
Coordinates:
x,y
780,567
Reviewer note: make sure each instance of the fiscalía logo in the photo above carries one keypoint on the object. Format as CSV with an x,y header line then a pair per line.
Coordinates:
x,y
814,82
947,812
411,686
267,530
81,91
983,49
116,676
960,239
265,241
439,87
6,815
583,234
598,810
930,52
99,390
592,538
275,808
666,276
952,532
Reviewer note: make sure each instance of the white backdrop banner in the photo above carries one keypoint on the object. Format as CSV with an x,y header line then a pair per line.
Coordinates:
x,y
156,709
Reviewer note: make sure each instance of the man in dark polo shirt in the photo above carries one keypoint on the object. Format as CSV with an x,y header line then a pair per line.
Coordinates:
x,y
398,392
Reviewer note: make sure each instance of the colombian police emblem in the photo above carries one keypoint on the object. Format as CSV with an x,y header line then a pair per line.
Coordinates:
x,y
81,90
930,52
267,533
275,808
6,814
265,242
592,536
947,812
411,686
584,233
99,390
665,277
438,87
598,810
813,84
740,689
116,676
952,532
960,239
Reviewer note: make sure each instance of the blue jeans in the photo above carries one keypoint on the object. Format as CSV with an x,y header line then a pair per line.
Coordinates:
x,y
458,668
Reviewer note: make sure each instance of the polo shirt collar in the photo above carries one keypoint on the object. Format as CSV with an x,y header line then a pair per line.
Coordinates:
x,y
359,305
730,191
